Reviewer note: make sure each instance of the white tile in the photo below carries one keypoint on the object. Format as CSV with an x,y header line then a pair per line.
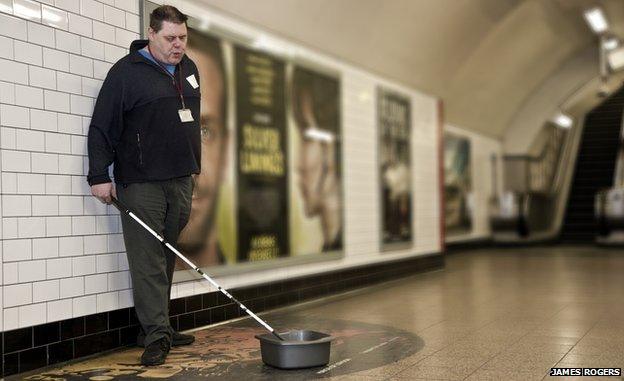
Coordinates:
x,y
27,9
55,59
114,16
80,186
95,284
118,281
123,38
16,72
45,248
93,206
106,224
107,302
28,140
79,145
116,243
128,5
6,47
108,2
85,305
83,225
31,227
66,41
13,27
11,319
43,120
70,83
59,309
122,258
71,287
28,53
41,35
59,268
14,116
92,48
54,17
68,5
31,271
95,244
100,69
30,183
45,205
7,93
83,265
9,228
71,124
58,184
114,53
10,273
16,250
56,101
70,246
81,105
15,161
7,138
70,205
86,123
106,263
9,182
80,25
81,65
91,87
33,314
13,206
133,22
41,77
125,299
16,295
58,226
58,143
70,165
103,32
46,291
28,96
92,9
44,163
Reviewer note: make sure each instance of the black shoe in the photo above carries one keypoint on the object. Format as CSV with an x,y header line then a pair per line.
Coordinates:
x,y
178,339
156,352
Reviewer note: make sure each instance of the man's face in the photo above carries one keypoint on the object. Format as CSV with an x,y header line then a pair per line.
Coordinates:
x,y
213,142
169,43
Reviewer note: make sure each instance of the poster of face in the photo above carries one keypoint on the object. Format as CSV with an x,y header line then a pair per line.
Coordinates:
x,y
316,220
457,184
209,237
262,161
395,167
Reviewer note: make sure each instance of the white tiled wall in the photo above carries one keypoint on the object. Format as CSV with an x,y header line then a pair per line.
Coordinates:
x,y
482,148
62,252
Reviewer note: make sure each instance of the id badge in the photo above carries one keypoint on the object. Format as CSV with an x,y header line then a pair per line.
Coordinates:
x,y
185,115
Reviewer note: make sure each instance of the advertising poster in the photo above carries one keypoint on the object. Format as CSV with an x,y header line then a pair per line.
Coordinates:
x,y
262,160
457,184
394,126
316,221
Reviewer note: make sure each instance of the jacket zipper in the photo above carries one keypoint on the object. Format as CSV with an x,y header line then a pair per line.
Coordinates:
x,y
140,152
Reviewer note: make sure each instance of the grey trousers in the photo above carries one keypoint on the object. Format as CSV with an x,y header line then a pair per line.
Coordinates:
x,y
165,207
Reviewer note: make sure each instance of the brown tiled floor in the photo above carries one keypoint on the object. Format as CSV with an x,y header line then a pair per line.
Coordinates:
x,y
495,314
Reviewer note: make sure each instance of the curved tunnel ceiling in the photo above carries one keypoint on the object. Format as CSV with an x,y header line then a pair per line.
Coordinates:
x,y
484,58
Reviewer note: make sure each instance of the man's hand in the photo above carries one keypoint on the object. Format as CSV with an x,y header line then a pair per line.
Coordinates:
x,y
104,192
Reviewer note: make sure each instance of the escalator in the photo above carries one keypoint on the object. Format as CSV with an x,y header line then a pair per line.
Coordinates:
x,y
595,167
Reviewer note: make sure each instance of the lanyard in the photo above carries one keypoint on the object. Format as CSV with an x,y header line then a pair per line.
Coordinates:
x,y
177,84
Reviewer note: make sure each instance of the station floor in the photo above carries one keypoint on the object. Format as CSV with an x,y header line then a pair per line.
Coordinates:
x,y
491,314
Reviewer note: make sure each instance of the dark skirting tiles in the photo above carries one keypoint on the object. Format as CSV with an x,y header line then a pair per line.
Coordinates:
x,y
47,333
100,342
18,340
186,321
193,303
72,328
202,318
59,352
119,318
128,335
33,358
177,306
10,364
96,323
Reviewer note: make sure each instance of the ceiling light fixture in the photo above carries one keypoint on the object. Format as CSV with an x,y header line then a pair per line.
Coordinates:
x,y
596,19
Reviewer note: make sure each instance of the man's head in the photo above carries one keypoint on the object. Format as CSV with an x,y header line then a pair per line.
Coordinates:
x,y
167,34
207,55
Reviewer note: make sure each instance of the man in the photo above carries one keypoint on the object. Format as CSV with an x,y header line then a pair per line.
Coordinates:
x,y
199,239
317,163
146,121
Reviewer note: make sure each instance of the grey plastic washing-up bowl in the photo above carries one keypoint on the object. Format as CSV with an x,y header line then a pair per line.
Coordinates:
x,y
299,349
